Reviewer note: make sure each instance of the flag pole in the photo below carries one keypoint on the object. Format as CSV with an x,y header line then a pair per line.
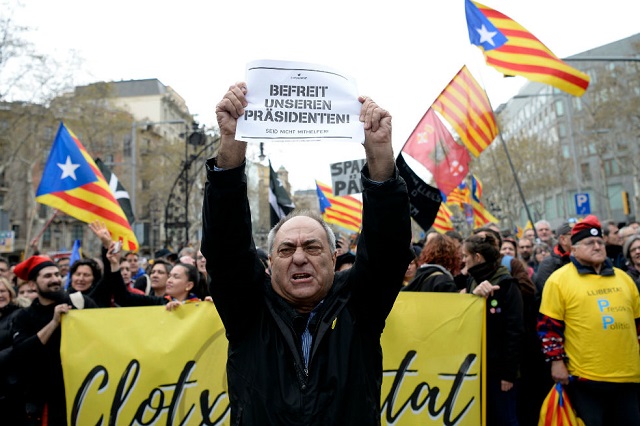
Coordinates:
x,y
515,178
44,228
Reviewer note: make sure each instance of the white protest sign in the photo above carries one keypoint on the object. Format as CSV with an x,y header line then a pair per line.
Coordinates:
x,y
345,177
294,101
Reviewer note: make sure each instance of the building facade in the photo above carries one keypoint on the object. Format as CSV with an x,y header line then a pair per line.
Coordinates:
x,y
582,151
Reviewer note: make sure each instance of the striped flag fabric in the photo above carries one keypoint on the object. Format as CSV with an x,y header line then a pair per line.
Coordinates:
x,y
464,104
476,188
459,195
482,216
512,50
72,183
443,222
279,200
344,211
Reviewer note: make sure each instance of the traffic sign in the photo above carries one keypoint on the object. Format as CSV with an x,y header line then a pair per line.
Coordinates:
x,y
583,206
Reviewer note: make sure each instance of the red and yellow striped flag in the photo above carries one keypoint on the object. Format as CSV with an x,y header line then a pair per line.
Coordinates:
x,y
481,216
464,104
344,211
512,50
72,183
459,196
443,221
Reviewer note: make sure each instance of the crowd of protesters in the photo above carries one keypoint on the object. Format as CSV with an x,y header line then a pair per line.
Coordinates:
x,y
532,340
34,294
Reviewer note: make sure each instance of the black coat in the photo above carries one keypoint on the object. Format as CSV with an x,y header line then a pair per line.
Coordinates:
x,y
268,383
433,278
40,363
505,326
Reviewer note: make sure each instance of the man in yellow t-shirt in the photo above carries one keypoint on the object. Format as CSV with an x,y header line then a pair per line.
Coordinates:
x,y
589,325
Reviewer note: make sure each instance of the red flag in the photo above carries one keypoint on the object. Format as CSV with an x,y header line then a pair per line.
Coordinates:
x,y
512,50
433,146
464,104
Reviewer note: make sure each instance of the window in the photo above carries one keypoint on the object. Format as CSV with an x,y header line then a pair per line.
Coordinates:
x,y
126,146
16,231
46,237
562,130
76,231
560,108
585,170
611,167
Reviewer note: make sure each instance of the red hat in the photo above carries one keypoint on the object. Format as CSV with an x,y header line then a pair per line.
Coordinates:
x,y
588,227
28,269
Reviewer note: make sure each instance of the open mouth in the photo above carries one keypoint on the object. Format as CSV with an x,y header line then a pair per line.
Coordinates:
x,y
300,277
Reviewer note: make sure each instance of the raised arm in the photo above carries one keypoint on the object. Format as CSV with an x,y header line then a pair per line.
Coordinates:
x,y
227,243
383,248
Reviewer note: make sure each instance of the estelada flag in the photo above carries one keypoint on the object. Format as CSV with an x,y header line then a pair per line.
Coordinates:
x,y
344,211
432,145
72,183
511,49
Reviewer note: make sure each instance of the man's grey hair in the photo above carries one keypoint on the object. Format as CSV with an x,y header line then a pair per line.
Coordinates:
x,y
543,222
331,237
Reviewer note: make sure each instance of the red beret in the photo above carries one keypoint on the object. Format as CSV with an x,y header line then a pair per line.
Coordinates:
x,y
28,269
588,227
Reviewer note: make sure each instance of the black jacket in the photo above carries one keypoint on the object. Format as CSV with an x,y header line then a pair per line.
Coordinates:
x,y
505,325
433,278
268,384
41,364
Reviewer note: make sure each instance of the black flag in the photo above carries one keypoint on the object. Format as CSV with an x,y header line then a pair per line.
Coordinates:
x,y
121,194
424,199
279,200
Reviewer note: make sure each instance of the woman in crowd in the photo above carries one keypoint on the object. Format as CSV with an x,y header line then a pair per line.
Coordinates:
x,y
10,402
631,251
439,262
180,286
159,275
504,319
27,293
86,278
540,251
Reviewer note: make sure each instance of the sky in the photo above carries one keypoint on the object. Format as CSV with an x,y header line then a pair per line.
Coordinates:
x,y
401,53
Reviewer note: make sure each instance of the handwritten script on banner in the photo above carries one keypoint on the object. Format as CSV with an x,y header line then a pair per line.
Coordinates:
x,y
293,101
148,366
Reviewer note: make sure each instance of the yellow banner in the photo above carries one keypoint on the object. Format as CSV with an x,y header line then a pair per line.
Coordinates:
x,y
146,365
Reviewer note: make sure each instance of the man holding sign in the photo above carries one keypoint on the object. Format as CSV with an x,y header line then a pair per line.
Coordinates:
x,y
304,342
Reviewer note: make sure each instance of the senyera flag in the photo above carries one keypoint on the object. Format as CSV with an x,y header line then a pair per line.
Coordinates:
x,y
512,50
72,183
465,105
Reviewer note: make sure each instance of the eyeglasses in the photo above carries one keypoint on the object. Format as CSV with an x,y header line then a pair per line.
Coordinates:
x,y
591,243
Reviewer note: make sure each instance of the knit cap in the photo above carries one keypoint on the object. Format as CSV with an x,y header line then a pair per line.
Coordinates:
x,y
588,227
27,270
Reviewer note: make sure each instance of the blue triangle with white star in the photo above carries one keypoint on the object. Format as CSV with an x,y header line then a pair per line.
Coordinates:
x,y
66,167
481,31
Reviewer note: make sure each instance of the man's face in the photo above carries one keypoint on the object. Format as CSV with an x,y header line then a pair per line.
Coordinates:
x,y
544,232
49,283
525,248
564,241
302,266
613,238
132,258
530,235
590,251
5,270
63,266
